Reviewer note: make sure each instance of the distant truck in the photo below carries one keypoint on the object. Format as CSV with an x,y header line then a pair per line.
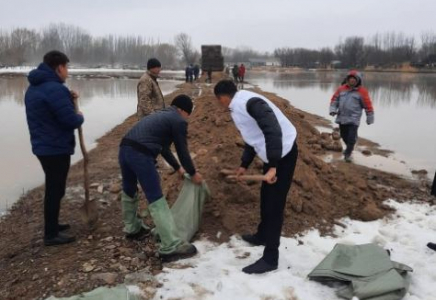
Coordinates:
x,y
212,58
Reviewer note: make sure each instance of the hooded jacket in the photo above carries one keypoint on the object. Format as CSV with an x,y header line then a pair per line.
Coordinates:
x,y
348,102
50,113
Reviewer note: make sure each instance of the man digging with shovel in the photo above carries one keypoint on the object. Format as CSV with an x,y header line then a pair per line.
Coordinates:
x,y
269,134
52,119
151,136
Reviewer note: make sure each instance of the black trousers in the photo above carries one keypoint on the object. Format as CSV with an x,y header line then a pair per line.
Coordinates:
x,y
349,136
272,205
56,169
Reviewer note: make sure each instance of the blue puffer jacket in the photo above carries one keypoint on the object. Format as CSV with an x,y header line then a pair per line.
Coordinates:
x,y
50,113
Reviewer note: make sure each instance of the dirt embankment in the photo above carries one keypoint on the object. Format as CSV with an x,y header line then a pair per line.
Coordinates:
x,y
321,193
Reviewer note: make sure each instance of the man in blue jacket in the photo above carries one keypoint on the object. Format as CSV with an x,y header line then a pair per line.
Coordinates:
x,y
52,119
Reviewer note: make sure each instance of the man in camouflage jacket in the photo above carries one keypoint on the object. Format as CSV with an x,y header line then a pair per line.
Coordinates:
x,y
150,98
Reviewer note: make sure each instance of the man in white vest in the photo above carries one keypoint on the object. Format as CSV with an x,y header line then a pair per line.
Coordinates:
x,y
268,133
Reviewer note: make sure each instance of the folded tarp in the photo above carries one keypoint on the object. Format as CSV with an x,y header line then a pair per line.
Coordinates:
x,y
366,270
120,292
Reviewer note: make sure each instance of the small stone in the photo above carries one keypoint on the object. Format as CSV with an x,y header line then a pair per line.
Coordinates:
x,y
336,136
115,188
108,278
87,267
366,152
100,189
201,152
108,239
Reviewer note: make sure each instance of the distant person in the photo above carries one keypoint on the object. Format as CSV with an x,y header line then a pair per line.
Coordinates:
x,y
209,75
235,72
268,133
347,104
196,72
52,119
151,136
187,73
191,73
241,73
433,192
150,98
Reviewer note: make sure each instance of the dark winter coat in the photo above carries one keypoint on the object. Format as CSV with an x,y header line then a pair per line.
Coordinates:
x,y
50,112
155,133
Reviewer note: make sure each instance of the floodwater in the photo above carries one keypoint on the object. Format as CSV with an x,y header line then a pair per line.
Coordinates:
x,y
405,111
104,103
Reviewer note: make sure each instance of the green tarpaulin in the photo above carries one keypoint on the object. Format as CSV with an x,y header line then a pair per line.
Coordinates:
x,y
119,292
366,270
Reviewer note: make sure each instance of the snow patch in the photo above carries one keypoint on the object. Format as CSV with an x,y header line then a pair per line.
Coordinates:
x,y
216,272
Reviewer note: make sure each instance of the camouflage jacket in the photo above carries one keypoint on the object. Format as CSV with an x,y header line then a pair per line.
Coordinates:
x,y
150,97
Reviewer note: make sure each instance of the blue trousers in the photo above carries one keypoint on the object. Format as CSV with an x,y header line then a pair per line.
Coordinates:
x,y
137,166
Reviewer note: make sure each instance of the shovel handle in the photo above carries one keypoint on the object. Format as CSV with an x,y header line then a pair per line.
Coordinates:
x,y
85,155
248,177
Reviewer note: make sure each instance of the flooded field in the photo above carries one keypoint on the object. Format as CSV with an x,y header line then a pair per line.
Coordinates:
x,y
104,102
405,110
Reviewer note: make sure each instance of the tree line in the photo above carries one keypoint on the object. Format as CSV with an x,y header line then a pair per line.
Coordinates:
x,y
385,50
23,46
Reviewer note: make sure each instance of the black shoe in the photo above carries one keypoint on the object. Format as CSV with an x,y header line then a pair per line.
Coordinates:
x,y
140,235
253,239
432,246
186,251
259,267
60,239
63,227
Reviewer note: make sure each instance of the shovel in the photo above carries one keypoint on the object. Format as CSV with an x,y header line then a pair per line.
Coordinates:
x,y
230,174
89,210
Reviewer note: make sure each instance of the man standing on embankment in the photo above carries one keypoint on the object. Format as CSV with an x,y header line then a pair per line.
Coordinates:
x,y
150,96
51,118
347,104
269,134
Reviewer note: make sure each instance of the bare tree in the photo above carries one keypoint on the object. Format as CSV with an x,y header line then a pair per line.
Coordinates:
x,y
183,43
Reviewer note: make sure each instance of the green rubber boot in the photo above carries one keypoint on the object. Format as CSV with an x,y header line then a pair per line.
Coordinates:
x,y
133,226
171,246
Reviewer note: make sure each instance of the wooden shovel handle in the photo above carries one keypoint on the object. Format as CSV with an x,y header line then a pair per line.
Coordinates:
x,y
85,155
247,177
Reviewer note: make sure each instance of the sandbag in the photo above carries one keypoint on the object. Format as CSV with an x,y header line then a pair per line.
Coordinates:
x,y
188,208
366,270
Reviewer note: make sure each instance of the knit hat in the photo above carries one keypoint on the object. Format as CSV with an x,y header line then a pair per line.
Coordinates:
x,y
153,63
183,102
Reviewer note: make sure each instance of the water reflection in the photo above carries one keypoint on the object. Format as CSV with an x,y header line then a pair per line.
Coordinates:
x,y
104,102
385,89
405,107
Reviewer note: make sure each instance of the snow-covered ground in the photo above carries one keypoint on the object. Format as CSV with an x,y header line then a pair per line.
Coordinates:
x,y
216,272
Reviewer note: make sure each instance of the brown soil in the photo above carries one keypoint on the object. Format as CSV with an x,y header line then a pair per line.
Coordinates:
x,y
321,193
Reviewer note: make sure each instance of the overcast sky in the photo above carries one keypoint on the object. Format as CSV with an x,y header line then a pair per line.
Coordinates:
x,y
260,24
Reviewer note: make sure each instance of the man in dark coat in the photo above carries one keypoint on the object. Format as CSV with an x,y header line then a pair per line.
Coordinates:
x,y
151,136
52,119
